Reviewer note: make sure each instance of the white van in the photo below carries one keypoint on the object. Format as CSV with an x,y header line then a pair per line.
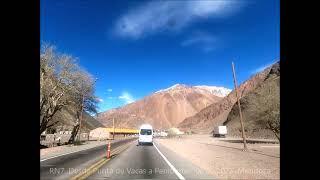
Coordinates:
x,y
145,134
220,131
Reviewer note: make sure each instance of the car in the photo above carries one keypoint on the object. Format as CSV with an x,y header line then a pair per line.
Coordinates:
x,y
145,134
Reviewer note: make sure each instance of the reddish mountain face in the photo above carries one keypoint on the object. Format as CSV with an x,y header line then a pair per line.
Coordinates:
x,y
217,113
259,108
165,108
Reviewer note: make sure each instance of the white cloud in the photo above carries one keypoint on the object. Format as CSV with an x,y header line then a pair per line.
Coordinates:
x,y
157,16
109,90
127,97
205,40
99,100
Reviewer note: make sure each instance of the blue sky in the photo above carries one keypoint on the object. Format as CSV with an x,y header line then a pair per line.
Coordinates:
x,y
137,47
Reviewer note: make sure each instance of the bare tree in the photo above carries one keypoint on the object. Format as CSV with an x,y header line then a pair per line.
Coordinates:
x,y
83,99
55,73
62,83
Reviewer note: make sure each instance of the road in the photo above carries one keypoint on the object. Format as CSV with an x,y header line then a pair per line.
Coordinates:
x,y
149,162
134,162
66,166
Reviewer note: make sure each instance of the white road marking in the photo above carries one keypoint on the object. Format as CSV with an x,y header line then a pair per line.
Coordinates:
x,y
171,166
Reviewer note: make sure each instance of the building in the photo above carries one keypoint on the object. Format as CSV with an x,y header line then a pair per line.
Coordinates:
x,y
123,131
100,134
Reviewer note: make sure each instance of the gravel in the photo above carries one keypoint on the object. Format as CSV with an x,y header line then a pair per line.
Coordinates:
x,y
227,160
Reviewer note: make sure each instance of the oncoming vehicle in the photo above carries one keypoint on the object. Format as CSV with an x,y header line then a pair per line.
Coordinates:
x,y
220,131
145,134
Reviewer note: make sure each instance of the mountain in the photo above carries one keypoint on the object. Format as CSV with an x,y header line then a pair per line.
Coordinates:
x,y
67,119
258,106
165,108
218,91
217,113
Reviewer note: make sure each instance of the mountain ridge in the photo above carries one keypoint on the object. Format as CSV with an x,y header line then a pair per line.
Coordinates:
x,y
164,108
217,113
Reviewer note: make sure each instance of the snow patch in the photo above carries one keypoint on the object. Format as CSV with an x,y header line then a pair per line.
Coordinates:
x,y
215,90
176,86
218,91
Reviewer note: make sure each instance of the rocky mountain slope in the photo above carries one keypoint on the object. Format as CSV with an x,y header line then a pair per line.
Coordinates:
x,y
217,113
258,106
165,108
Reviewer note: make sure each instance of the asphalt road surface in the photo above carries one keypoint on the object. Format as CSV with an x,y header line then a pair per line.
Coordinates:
x,y
67,166
135,162
149,162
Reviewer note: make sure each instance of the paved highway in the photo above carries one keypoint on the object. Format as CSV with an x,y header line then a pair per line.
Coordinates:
x,y
134,162
149,162
67,166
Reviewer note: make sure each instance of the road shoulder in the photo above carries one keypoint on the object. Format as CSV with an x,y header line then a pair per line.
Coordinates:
x,y
226,160
49,153
185,167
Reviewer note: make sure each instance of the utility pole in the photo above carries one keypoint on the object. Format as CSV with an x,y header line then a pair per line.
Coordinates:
x,y
240,113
